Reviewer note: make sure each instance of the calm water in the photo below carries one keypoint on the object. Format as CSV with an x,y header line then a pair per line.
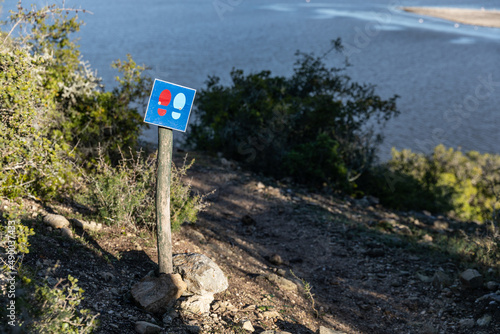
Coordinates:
x,y
448,76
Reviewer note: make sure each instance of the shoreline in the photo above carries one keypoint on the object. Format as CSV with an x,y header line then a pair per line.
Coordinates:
x,y
476,17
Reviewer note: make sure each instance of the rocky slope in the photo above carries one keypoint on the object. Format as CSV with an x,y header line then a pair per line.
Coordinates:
x,y
295,261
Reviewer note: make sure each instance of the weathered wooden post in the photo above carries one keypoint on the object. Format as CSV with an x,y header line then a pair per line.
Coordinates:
x,y
158,294
163,229
168,116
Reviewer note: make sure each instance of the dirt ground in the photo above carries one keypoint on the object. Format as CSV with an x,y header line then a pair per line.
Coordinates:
x,y
351,266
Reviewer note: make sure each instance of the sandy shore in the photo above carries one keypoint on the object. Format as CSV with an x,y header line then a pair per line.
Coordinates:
x,y
485,18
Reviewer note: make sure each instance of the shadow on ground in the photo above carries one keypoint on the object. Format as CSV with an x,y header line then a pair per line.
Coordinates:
x,y
364,276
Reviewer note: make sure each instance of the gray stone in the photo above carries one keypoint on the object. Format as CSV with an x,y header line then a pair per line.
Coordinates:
x,y
281,272
427,213
107,276
440,225
387,224
403,229
484,320
144,327
231,308
196,235
67,233
325,330
88,226
281,282
247,325
200,273
157,294
362,202
424,278
78,223
397,283
492,286
198,304
169,317
467,323
276,259
227,163
222,307
427,239
471,278
493,296
271,314
51,280
441,280
55,221
274,332
249,308
372,200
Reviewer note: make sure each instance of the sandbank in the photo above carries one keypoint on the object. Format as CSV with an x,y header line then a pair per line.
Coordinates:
x,y
477,17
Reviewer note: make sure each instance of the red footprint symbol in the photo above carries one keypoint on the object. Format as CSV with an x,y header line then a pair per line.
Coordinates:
x,y
164,100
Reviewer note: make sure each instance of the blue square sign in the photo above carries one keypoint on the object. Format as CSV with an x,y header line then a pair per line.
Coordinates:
x,y
169,105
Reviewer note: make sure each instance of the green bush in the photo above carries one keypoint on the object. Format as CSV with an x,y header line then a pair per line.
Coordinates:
x,y
33,162
21,233
85,115
401,191
125,194
107,120
465,186
53,108
40,308
57,309
313,126
307,162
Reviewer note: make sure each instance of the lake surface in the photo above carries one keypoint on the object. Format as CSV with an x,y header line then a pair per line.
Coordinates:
x,y
447,75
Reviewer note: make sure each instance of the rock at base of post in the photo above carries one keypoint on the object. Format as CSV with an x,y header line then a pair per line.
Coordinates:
x,y
201,274
158,294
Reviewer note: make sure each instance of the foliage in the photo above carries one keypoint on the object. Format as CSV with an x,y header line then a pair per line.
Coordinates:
x,y
41,309
47,32
184,206
308,161
20,233
57,310
308,292
33,162
125,194
313,126
55,115
53,108
58,123
401,191
109,120
465,186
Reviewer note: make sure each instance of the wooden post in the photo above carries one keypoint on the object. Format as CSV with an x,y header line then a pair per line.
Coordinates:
x,y
163,230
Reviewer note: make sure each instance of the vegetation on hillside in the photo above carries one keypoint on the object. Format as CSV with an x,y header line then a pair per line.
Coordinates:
x,y
61,131
316,126
63,137
465,186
